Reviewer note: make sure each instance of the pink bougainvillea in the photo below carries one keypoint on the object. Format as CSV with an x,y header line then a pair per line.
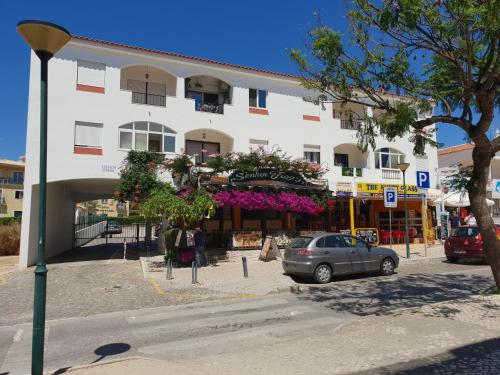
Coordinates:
x,y
282,201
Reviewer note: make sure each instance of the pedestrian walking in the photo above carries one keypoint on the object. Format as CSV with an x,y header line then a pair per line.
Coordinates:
x,y
199,246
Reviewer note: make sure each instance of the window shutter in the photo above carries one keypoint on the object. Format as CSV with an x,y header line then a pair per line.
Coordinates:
x,y
157,88
88,134
136,86
91,73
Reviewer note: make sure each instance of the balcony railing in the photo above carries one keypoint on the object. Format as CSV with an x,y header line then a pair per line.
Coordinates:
x,y
212,108
350,125
391,174
352,172
11,181
151,99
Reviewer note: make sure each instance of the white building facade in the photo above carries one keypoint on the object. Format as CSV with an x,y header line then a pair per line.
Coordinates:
x,y
105,99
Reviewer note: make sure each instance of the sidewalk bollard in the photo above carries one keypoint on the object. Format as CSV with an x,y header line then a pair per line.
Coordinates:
x,y
124,249
169,269
194,272
245,266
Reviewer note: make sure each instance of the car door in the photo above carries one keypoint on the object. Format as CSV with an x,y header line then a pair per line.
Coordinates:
x,y
361,257
338,254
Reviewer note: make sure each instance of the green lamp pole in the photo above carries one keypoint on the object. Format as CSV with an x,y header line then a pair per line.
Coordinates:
x,y
46,39
403,167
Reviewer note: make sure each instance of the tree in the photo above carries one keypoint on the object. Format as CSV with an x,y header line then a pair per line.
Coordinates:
x,y
138,178
444,52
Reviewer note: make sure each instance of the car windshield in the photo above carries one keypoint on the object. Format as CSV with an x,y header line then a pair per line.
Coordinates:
x,y
113,223
300,242
466,232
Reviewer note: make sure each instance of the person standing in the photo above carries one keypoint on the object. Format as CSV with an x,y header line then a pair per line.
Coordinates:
x,y
471,220
199,247
454,220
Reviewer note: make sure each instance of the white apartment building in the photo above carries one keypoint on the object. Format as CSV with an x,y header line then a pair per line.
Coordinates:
x,y
106,98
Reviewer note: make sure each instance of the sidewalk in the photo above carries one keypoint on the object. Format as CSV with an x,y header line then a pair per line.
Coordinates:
x,y
443,338
8,263
226,278
417,251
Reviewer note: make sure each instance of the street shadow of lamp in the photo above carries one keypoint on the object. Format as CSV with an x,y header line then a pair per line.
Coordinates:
x,y
111,349
403,167
45,39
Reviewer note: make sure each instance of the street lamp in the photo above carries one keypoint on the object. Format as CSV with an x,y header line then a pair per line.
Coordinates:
x,y
403,167
46,39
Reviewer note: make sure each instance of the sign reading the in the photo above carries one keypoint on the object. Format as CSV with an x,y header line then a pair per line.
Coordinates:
x,y
423,181
377,190
390,196
288,177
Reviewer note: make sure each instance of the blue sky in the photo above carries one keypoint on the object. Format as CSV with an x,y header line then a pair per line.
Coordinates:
x,y
252,33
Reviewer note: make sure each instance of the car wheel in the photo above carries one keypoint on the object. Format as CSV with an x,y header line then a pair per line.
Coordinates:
x,y
387,267
452,260
323,274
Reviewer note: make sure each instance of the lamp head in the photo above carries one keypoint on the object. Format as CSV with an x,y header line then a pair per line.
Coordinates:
x,y
403,166
45,38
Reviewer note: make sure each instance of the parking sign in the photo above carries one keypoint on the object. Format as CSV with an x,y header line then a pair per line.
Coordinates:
x,y
423,180
390,196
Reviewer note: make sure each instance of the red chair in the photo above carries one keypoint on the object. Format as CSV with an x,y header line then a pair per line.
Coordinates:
x,y
385,236
398,236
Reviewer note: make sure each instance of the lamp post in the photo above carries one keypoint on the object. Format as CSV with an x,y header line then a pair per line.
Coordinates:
x,y
46,39
403,167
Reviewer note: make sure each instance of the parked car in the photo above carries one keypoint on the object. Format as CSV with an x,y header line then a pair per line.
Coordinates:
x,y
465,242
114,227
324,255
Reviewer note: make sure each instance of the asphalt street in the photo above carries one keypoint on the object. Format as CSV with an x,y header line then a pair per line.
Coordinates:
x,y
213,327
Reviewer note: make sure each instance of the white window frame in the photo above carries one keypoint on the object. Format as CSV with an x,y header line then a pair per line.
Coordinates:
x,y
257,98
91,124
392,152
312,148
165,132
80,62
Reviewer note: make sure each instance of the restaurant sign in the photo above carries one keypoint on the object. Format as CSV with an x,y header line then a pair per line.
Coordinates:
x,y
268,175
377,190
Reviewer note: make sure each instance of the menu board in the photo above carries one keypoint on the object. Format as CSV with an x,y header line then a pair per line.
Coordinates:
x,y
247,239
370,235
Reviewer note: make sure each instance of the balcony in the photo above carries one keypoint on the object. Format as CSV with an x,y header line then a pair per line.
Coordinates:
x,y
391,174
352,172
11,181
151,99
209,93
350,124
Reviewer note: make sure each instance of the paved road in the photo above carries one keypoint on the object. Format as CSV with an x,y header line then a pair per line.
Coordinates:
x,y
211,328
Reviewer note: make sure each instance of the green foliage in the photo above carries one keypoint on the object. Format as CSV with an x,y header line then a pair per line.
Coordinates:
x,y
187,207
9,220
138,175
170,237
446,51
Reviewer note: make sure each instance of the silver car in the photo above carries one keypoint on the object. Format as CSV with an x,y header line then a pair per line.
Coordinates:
x,y
327,254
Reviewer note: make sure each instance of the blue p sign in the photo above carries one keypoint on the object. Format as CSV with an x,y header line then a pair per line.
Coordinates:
x,y
423,181
390,196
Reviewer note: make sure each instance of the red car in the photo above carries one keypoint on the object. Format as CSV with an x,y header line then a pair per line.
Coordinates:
x,y
465,242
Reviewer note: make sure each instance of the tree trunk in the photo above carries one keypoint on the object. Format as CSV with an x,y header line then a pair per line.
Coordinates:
x,y
482,155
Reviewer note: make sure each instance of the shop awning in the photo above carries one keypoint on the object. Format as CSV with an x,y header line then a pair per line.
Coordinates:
x,y
457,199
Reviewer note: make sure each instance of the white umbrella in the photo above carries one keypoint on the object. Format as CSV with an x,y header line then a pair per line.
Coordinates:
x,y
457,199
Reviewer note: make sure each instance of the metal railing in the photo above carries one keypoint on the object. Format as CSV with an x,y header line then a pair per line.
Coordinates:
x,y
151,99
350,124
352,172
212,108
391,174
11,181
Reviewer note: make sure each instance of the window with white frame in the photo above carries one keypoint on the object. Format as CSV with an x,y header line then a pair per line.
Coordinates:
x,y
145,135
388,158
312,154
257,98
19,194
91,73
88,134
256,144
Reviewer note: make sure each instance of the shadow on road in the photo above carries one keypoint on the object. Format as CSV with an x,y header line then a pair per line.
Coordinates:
x,y
380,296
482,358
